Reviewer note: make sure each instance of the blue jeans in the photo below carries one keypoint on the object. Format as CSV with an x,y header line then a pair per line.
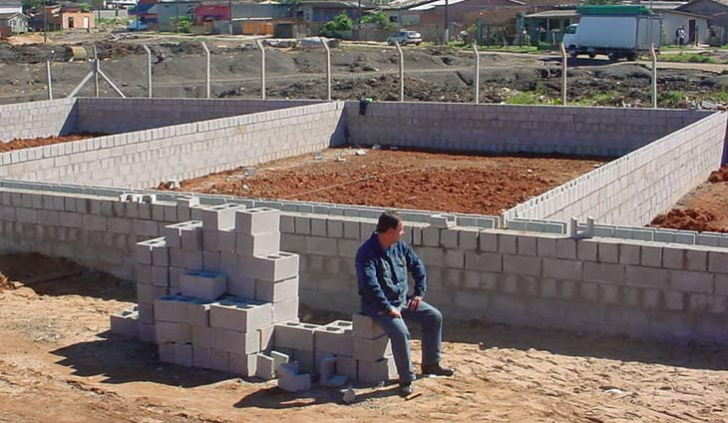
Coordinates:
x,y
430,319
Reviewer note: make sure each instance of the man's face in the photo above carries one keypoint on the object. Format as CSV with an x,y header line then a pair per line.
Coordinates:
x,y
395,234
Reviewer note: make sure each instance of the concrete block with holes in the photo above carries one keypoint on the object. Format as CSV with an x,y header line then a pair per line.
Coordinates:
x,y
204,285
240,315
257,221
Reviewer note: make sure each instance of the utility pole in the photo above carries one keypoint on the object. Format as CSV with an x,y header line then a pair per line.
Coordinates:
x,y
360,19
230,17
176,21
446,32
45,23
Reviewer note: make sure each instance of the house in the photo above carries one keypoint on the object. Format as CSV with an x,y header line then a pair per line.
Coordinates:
x,y
142,12
312,15
63,17
716,10
10,6
13,23
248,18
171,12
548,26
696,26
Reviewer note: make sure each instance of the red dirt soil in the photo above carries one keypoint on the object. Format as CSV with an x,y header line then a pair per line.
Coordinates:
x,y
402,179
19,144
703,209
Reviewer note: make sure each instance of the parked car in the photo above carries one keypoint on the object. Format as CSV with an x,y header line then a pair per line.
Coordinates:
x,y
136,25
404,37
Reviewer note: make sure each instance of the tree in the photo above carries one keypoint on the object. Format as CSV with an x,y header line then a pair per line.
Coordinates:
x,y
340,23
378,18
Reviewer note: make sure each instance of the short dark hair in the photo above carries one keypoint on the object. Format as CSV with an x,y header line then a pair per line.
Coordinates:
x,y
390,219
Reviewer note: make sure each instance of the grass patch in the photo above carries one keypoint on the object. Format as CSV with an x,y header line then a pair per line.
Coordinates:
x,y
530,97
687,58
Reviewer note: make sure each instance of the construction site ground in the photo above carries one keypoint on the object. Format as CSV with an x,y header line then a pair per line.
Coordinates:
x,y
703,209
58,364
402,179
19,144
431,73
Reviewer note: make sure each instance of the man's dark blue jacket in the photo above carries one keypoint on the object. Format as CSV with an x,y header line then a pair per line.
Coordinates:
x,y
382,275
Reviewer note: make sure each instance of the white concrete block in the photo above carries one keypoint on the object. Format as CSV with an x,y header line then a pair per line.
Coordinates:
x,y
148,293
265,367
296,336
198,313
205,285
346,366
243,364
240,316
276,291
327,367
272,267
226,240
219,217
172,308
257,221
285,310
295,383
334,340
147,332
124,323
241,286
160,276
173,332
226,340
372,349
259,244
180,354
365,327
191,236
279,359
374,372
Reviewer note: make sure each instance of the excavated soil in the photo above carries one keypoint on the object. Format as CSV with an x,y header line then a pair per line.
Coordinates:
x,y
703,209
58,364
19,144
401,179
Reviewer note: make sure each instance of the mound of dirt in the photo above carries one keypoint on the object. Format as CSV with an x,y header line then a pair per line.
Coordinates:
x,y
688,219
720,175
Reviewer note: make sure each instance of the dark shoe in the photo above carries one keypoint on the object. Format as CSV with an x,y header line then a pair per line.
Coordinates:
x,y
437,370
405,389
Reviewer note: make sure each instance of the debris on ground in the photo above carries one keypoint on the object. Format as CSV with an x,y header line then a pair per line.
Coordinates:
x,y
687,219
720,175
19,144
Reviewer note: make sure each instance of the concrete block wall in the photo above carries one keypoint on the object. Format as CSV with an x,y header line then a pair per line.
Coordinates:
x,y
143,159
118,115
37,119
634,287
633,189
609,132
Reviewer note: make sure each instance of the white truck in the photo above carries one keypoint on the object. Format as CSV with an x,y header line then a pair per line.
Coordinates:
x,y
617,31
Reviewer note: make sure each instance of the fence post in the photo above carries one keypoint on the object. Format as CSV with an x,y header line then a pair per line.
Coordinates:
x,y
328,68
401,71
48,74
262,68
149,70
96,74
207,69
654,76
477,73
564,71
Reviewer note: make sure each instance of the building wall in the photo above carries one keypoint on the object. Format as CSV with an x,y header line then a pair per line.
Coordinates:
x,y
81,20
672,21
633,189
37,119
143,159
643,289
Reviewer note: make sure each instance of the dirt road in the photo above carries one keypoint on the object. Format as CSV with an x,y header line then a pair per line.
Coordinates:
x,y
56,364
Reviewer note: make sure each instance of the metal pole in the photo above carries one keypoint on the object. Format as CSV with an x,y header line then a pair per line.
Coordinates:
x,y
477,73
79,86
149,70
401,72
563,74
446,32
654,76
113,86
262,68
207,74
45,23
328,69
96,74
230,17
50,82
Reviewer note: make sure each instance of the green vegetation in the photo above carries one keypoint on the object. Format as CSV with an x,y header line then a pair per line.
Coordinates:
x,y
183,25
339,24
510,49
378,18
530,97
682,57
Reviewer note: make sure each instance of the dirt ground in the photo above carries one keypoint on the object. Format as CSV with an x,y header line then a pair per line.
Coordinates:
x,y
58,364
703,209
432,73
402,179
18,144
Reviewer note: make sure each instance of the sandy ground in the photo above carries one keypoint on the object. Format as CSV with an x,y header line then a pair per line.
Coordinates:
x,y
403,179
703,209
19,144
57,364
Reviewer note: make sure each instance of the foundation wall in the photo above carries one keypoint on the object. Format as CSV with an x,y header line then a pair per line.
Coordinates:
x,y
37,119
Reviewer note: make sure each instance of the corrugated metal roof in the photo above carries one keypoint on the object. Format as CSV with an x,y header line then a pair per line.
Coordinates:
x,y
554,14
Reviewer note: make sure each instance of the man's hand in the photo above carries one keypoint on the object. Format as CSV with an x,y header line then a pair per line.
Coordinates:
x,y
394,312
413,303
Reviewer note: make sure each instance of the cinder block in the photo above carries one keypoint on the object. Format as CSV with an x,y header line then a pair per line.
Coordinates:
x,y
604,272
226,240
172,308
177,258
431,236
295,383
646,277
285,310
147,332
219,217
507,244
241,286
296,336
651,256
143,274
257,221
272,267
686,281
696,260
608,252
334,340
259,244
265,367
191,236
717,262
160,276
489,262
193,260
198,313
279,359
124,323
210,240
327,368
566,248
276,291
346,366
180,354
240,316
148,293
352,229
243,364
372,349
522,265
318,226
365,327
143,251
563,269
302,224
374,372
629,254
674,300
205,285
585,250
266,338
173,332
211,261
211,358
673,257
146,313
305,360
226,340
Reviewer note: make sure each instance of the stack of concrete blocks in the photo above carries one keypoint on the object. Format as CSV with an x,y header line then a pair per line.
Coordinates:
x,y
211,290
125,322
359,351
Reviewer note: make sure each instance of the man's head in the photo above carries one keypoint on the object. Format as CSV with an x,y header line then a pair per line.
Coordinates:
x,y
390,228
